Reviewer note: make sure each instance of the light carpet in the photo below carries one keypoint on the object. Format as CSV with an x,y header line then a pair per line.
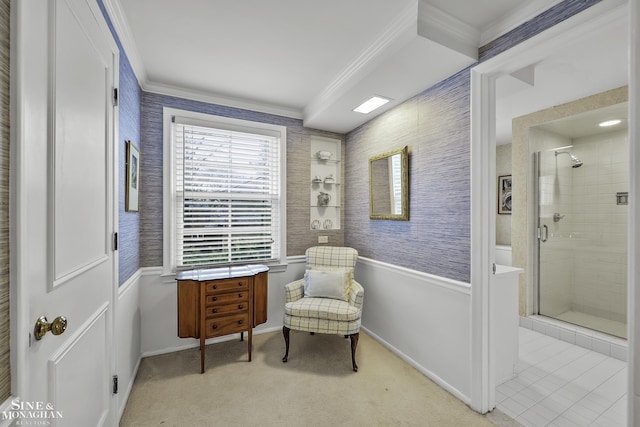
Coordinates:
x,y
315,388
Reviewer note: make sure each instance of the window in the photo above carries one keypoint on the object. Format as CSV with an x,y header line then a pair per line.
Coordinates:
x,y
226,180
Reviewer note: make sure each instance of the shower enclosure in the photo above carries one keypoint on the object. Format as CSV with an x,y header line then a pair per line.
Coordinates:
x,y
581,181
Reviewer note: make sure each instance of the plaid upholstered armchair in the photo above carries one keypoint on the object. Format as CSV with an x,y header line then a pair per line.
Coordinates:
x,y
327,300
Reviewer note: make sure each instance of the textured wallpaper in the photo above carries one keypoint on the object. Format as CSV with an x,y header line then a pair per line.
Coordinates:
x,y
435,125
299,235
128,129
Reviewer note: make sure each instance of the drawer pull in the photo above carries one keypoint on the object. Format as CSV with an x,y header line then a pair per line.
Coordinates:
x,y
215,286
239,322
215,298
215,326
215,310
239,295
239,283
240,306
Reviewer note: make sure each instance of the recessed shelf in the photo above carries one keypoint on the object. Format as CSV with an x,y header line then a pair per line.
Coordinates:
x,y
325,174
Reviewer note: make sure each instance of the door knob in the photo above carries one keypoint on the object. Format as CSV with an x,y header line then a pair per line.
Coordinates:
x,y
58,326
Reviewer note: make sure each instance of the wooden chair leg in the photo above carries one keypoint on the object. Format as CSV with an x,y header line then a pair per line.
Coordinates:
x,y
285,332
354,345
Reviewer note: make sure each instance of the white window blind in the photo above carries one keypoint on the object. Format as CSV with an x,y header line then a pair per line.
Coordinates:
x,y
227,195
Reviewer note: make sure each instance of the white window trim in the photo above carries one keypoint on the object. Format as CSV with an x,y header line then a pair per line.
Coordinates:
x,y
169,182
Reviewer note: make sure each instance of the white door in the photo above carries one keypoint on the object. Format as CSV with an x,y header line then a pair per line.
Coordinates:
x,y
64,263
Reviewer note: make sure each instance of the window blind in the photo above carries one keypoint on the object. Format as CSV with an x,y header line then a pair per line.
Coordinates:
x,y
227,196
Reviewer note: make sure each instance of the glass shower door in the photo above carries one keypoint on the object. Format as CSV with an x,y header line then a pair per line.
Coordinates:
x,y
582,228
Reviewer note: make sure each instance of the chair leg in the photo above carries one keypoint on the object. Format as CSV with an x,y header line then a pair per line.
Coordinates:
x,y
354,345
285,332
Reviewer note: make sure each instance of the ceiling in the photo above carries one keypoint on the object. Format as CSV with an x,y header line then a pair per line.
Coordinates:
x,y
595,62
307,59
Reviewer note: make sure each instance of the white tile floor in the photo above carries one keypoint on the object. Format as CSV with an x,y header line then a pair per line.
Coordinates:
x,y
562,385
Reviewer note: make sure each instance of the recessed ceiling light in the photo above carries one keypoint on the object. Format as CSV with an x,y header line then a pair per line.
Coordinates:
x,y
610,123
371,104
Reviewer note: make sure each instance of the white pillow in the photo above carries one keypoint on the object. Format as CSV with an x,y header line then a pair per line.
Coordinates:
x,y
326,284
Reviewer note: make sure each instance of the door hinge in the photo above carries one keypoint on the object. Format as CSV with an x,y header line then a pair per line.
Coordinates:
x,y
115,242
114,389
115,96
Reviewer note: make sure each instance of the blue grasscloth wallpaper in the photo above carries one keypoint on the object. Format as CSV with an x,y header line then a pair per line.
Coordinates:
x,y
435,124
129,129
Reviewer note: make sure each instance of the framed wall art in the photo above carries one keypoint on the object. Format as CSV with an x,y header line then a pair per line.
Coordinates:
x,y
504,195
133,178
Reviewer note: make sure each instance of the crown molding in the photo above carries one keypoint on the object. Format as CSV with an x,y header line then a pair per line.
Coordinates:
x,y
395,33
442,28
211,98
121,26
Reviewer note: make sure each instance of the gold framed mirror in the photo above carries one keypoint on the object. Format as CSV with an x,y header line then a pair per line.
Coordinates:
x,y
389,185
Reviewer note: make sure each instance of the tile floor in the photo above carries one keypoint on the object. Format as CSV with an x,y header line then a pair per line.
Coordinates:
x,y
563,385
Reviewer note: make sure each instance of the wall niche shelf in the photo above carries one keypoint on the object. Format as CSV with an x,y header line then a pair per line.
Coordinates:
x,y
325,180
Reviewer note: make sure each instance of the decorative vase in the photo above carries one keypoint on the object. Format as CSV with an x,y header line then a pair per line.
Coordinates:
x,y
324,199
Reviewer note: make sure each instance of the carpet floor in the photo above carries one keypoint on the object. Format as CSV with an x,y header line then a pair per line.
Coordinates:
x,y
315,388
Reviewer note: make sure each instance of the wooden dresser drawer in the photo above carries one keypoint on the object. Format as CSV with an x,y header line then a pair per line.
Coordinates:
x,y
226,325
222,310
227,285
223,299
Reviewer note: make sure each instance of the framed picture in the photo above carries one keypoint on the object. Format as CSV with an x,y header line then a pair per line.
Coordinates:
x,y
504,195
133,178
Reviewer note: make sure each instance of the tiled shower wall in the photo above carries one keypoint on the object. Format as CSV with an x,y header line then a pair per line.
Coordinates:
x,y
600,270
583,263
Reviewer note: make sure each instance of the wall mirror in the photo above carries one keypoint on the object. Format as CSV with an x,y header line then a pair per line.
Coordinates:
x,y
389,185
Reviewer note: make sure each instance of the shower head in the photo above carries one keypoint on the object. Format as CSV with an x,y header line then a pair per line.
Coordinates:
x,y
575,162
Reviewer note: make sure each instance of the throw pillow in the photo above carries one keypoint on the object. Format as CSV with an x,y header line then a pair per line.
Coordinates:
x,y
326,284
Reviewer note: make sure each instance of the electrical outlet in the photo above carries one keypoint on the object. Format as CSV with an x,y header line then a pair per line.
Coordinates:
x,y
323,239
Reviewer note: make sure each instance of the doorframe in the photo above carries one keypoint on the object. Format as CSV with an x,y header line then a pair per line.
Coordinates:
x,y
483,171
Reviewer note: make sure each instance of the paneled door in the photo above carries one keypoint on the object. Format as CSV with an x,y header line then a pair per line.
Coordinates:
x,y
64,258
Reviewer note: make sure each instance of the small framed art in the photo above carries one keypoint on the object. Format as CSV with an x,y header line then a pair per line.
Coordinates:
x,y
133,178
504,195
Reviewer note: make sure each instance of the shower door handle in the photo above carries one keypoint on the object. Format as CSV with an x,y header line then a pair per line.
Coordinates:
x,y
544,234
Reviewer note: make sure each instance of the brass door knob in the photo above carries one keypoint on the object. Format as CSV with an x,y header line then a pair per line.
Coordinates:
x,y
57,327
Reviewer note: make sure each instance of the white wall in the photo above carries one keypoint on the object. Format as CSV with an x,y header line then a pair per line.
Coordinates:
x,y
424,319
127,337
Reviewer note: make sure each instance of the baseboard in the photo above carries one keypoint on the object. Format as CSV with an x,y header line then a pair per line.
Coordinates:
x,y
426,372
125,396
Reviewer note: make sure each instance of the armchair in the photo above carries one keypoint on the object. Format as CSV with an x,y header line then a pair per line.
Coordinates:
x,y
328,300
